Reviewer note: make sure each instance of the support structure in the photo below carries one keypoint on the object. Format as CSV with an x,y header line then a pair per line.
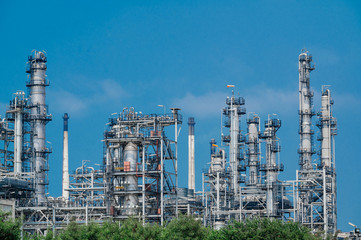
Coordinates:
x,y
137,152
316,181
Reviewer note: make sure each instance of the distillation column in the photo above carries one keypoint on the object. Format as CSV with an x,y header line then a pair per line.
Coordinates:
x,y
131,180
326,122
65,158
305,111
328,127
253,150
191,163
18,106
233,111
271,168
38,117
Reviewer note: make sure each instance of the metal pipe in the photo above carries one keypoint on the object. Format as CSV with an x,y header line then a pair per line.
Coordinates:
x,y
191,160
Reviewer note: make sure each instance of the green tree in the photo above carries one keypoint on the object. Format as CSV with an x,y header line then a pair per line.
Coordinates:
x,y
262,228
9,228
184,227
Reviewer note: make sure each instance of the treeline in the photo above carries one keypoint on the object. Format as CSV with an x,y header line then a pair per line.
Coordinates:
x,y
184,227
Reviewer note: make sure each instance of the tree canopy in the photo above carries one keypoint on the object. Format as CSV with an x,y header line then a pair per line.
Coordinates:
x,y
183,227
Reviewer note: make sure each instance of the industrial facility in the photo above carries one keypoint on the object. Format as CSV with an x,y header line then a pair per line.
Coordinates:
x,y
138,176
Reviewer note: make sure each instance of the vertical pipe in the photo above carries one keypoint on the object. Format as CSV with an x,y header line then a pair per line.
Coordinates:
x,y
161,183
65,158
191,160
175,118
143,184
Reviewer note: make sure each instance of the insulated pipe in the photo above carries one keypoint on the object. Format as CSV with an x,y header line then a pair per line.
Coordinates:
x,y
131,199
65,158
191,160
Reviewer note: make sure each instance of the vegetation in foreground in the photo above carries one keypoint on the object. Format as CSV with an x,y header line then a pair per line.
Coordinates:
x,y
184,227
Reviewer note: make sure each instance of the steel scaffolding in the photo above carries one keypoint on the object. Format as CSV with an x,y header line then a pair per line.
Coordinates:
x,y
141,165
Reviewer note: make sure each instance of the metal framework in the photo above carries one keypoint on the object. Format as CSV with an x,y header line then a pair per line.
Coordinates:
x,y
139,174
141,165
316,181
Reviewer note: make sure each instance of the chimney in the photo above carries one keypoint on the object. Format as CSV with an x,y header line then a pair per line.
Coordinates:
x,y
191,171
65,158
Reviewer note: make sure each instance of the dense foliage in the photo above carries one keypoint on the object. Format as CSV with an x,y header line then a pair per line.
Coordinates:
x,y
184,227
9,228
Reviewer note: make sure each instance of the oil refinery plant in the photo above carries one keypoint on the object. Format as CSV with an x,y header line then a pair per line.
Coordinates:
x,y
139,174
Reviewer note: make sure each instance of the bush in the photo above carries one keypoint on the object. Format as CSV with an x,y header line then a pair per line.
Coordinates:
x,y
9,228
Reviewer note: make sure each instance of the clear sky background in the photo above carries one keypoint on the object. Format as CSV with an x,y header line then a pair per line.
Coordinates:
x,y
106,55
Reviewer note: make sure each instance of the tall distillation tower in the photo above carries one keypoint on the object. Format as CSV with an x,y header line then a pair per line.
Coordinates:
x,y
328,130
38,118
316,181
233,112
305,66
272,167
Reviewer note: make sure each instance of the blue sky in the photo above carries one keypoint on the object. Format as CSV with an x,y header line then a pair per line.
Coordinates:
x,y
103,56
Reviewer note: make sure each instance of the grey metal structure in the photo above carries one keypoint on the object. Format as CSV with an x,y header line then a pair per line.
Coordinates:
x,y
257,191
136,153
139,174
316,181
38,118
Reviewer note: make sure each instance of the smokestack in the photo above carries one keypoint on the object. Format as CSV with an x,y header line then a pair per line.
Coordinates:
x,y
65,158
213,146
191,170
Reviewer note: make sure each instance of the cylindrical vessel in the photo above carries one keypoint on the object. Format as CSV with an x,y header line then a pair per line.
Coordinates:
x,y
131,199
305,111
39,118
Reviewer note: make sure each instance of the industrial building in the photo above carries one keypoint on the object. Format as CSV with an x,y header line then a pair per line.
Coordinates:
x,y
139,174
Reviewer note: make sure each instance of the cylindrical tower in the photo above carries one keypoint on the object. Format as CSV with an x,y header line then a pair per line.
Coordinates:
x,y
131,180
305,111
17,105
38,117
271,168
233,112
65,158
191,151
253,149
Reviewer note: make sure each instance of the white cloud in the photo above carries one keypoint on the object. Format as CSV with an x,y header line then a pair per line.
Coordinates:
x,y
260,99
75,102
64,101
209,104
